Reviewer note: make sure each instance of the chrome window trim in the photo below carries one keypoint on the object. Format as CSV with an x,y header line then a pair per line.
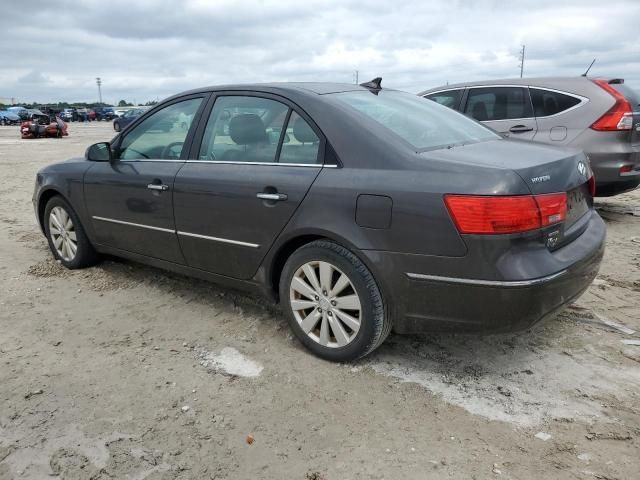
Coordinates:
x,y
131,224
269,164
131,160
583,100
218,239
486,283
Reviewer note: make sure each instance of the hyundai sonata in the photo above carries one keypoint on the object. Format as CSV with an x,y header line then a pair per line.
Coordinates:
x,y
360,209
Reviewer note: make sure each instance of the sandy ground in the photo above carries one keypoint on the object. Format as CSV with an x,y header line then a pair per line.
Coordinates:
x,y
124,371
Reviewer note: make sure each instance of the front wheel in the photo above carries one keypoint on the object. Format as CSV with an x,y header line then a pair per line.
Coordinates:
x,y
332,302
116,127
66,236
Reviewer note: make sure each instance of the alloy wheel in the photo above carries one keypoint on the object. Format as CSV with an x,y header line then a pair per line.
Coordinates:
x,y
325,304
63,234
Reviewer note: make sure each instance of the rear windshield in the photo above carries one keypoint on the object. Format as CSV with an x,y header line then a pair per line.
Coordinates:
x,y
424,124
630,94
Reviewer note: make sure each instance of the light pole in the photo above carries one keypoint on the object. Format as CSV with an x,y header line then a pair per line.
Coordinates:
x,y
99,83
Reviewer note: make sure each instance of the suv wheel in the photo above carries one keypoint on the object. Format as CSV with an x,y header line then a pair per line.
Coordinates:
x,y
332,302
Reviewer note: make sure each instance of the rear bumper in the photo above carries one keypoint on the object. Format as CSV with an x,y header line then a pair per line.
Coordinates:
x,y
606,167
422,302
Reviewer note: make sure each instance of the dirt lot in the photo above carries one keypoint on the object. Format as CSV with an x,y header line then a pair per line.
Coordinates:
x,y
124,371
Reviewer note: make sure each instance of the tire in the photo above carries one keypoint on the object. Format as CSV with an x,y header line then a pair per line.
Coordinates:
x,y
116,127
307,315
84,255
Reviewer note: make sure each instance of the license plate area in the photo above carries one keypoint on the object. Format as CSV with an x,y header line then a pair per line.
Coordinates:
x,y
578,203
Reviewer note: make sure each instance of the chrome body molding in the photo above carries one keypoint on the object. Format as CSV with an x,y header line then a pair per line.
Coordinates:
x,y
218,239
168,230
486,283
266,164
131,224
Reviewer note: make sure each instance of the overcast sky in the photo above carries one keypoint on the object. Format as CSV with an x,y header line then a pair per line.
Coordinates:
x,y
148,49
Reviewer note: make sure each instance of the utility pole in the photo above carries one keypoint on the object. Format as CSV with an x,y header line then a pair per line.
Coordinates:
x,y
99,83
521,61
355,76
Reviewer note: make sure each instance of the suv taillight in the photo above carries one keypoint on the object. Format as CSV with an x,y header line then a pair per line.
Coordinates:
x,y
592,185
619,117
477,214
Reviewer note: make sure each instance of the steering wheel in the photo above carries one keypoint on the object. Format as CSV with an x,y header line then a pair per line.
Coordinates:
x,y
168,152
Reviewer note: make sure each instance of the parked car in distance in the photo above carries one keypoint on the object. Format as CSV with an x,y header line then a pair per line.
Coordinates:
x,y
9,118
69,115
361,209
31,112
105,113
129,116
20,111
599,116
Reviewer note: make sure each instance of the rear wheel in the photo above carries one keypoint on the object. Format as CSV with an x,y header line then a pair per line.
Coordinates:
x,y
332,302
66,236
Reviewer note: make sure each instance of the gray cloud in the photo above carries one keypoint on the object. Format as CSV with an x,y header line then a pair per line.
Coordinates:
x,y
151,49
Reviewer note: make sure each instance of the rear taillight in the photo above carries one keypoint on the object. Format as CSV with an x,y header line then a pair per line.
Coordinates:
x,y
619,117
503,214
626,169
592,185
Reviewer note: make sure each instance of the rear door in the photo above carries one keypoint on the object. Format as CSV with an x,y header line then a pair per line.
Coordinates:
x,y
505,109
253,167
130,199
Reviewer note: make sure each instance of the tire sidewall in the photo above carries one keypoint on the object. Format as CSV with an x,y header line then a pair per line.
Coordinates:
x,y
84,254
369,330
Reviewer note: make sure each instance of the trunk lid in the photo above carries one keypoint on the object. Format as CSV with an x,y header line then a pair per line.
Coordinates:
x,y
544,169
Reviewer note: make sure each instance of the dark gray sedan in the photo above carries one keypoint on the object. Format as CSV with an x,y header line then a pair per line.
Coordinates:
x,y
360,209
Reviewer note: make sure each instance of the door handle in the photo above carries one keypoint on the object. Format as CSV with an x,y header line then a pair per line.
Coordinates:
x,y
274,197
158,186
520,129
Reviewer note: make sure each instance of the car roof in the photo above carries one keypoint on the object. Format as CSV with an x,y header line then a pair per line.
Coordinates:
x,y
548,82
283,88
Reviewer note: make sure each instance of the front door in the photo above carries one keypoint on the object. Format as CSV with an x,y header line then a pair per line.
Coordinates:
x,y
130,200
256,162
507,110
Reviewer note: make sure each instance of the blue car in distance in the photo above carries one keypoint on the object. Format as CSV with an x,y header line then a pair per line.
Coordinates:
x,y
129,116
9,118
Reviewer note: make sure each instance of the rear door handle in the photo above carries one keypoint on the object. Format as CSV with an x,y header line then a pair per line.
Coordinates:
x,y
158,186
520,129
274,197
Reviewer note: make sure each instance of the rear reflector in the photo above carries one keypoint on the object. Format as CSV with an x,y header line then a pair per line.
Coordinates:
x,y
619,117
502,214
592,185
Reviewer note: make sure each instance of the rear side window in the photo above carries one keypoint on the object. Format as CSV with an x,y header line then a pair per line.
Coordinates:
x,y
450,98
300,143
498,103
243,129
546,102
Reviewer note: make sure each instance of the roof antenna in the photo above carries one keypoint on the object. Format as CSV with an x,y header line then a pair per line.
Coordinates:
x,y
585,73
373,84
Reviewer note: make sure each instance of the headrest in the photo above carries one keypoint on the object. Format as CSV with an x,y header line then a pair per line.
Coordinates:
x,y
303,132
247,128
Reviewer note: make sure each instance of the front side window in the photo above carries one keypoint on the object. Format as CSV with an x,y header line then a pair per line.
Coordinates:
x,y
160,136
546,102
243,129
450,98
498,103
420,122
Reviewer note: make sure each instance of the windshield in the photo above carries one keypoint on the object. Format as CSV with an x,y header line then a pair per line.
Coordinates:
x,y
421,122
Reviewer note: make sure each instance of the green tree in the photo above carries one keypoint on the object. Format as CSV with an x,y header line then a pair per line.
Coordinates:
x,y
124,103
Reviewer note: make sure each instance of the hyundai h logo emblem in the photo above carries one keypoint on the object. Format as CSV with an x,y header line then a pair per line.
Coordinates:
x,y
582,168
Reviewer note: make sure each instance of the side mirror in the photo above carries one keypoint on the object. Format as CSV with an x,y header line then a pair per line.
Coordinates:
x,y
99,152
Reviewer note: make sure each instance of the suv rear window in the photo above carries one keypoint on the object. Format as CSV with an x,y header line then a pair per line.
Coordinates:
x,y
422,123
546,102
